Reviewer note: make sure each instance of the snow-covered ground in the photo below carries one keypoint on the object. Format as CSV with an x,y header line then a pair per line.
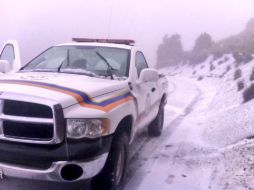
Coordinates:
x,y
208,144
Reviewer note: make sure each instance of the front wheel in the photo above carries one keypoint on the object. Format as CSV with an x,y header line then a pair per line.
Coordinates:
x,y
112,175
155,128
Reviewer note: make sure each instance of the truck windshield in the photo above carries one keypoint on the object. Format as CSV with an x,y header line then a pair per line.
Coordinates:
x,y
82,60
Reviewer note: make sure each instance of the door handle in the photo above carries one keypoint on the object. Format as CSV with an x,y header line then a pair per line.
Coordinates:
x,y
153,89
130,85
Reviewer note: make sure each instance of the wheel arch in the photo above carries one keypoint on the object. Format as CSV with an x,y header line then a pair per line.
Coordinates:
x,y
125,125
164,99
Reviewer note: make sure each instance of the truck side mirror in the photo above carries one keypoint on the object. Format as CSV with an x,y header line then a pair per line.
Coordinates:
x,y
4,66
149,75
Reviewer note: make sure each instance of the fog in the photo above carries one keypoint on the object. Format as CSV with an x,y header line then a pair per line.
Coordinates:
x,y
38,24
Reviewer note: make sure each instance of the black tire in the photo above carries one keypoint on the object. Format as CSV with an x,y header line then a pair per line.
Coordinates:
x,y
112,176
156,126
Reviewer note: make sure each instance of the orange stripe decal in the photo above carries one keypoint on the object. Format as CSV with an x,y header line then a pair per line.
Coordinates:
x,y
82,98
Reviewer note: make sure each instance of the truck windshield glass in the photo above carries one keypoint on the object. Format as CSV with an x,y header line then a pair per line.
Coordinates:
x,y
82,60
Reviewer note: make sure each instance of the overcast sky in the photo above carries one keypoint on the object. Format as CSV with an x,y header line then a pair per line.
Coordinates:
x,y
37,24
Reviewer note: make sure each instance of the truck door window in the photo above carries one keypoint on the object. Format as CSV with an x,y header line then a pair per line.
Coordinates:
x,y
8,54
140,62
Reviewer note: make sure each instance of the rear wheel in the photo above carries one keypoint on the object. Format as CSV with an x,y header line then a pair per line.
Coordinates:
x,y
112,175
155,128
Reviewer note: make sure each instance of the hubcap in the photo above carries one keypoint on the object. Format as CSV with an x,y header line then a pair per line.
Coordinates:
x,y
161,118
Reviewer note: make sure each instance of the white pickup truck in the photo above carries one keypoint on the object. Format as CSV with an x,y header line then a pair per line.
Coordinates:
x,y
71,113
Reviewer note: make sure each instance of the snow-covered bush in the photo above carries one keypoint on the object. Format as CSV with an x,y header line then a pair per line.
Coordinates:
x,y
217,55
247,58
237,57
237,74
242,57
248,94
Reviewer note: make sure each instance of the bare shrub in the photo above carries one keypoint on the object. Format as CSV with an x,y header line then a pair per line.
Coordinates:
x,y
228,68
226,59
212,67
237,74
221,62
252,75
200,78
226,71
248,94
240,85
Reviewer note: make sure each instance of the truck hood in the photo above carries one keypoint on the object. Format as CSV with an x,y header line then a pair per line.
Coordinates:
x,y
61,87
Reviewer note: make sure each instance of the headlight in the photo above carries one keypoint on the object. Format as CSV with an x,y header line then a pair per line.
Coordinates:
x,y
87,128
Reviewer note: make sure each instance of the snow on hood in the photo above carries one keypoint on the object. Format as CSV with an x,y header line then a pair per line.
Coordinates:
x,y
92,86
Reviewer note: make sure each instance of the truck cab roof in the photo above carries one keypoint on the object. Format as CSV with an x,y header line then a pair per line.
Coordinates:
x,y
113,45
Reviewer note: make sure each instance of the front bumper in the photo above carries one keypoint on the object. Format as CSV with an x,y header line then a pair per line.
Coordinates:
x,y
45,162
90,169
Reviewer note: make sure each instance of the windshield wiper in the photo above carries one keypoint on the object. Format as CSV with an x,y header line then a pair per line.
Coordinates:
x,y
68,60
110,68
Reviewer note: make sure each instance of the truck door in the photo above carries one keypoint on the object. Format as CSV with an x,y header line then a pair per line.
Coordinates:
x,y
10,52
141,90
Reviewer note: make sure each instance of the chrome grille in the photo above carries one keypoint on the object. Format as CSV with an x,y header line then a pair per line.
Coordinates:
x,y
24,130
30,119
27,109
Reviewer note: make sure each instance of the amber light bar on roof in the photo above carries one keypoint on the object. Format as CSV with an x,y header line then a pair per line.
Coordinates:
x,y
114,41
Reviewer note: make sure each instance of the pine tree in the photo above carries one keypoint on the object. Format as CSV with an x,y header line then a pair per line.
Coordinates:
x,y
170,51
203,42
201,49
